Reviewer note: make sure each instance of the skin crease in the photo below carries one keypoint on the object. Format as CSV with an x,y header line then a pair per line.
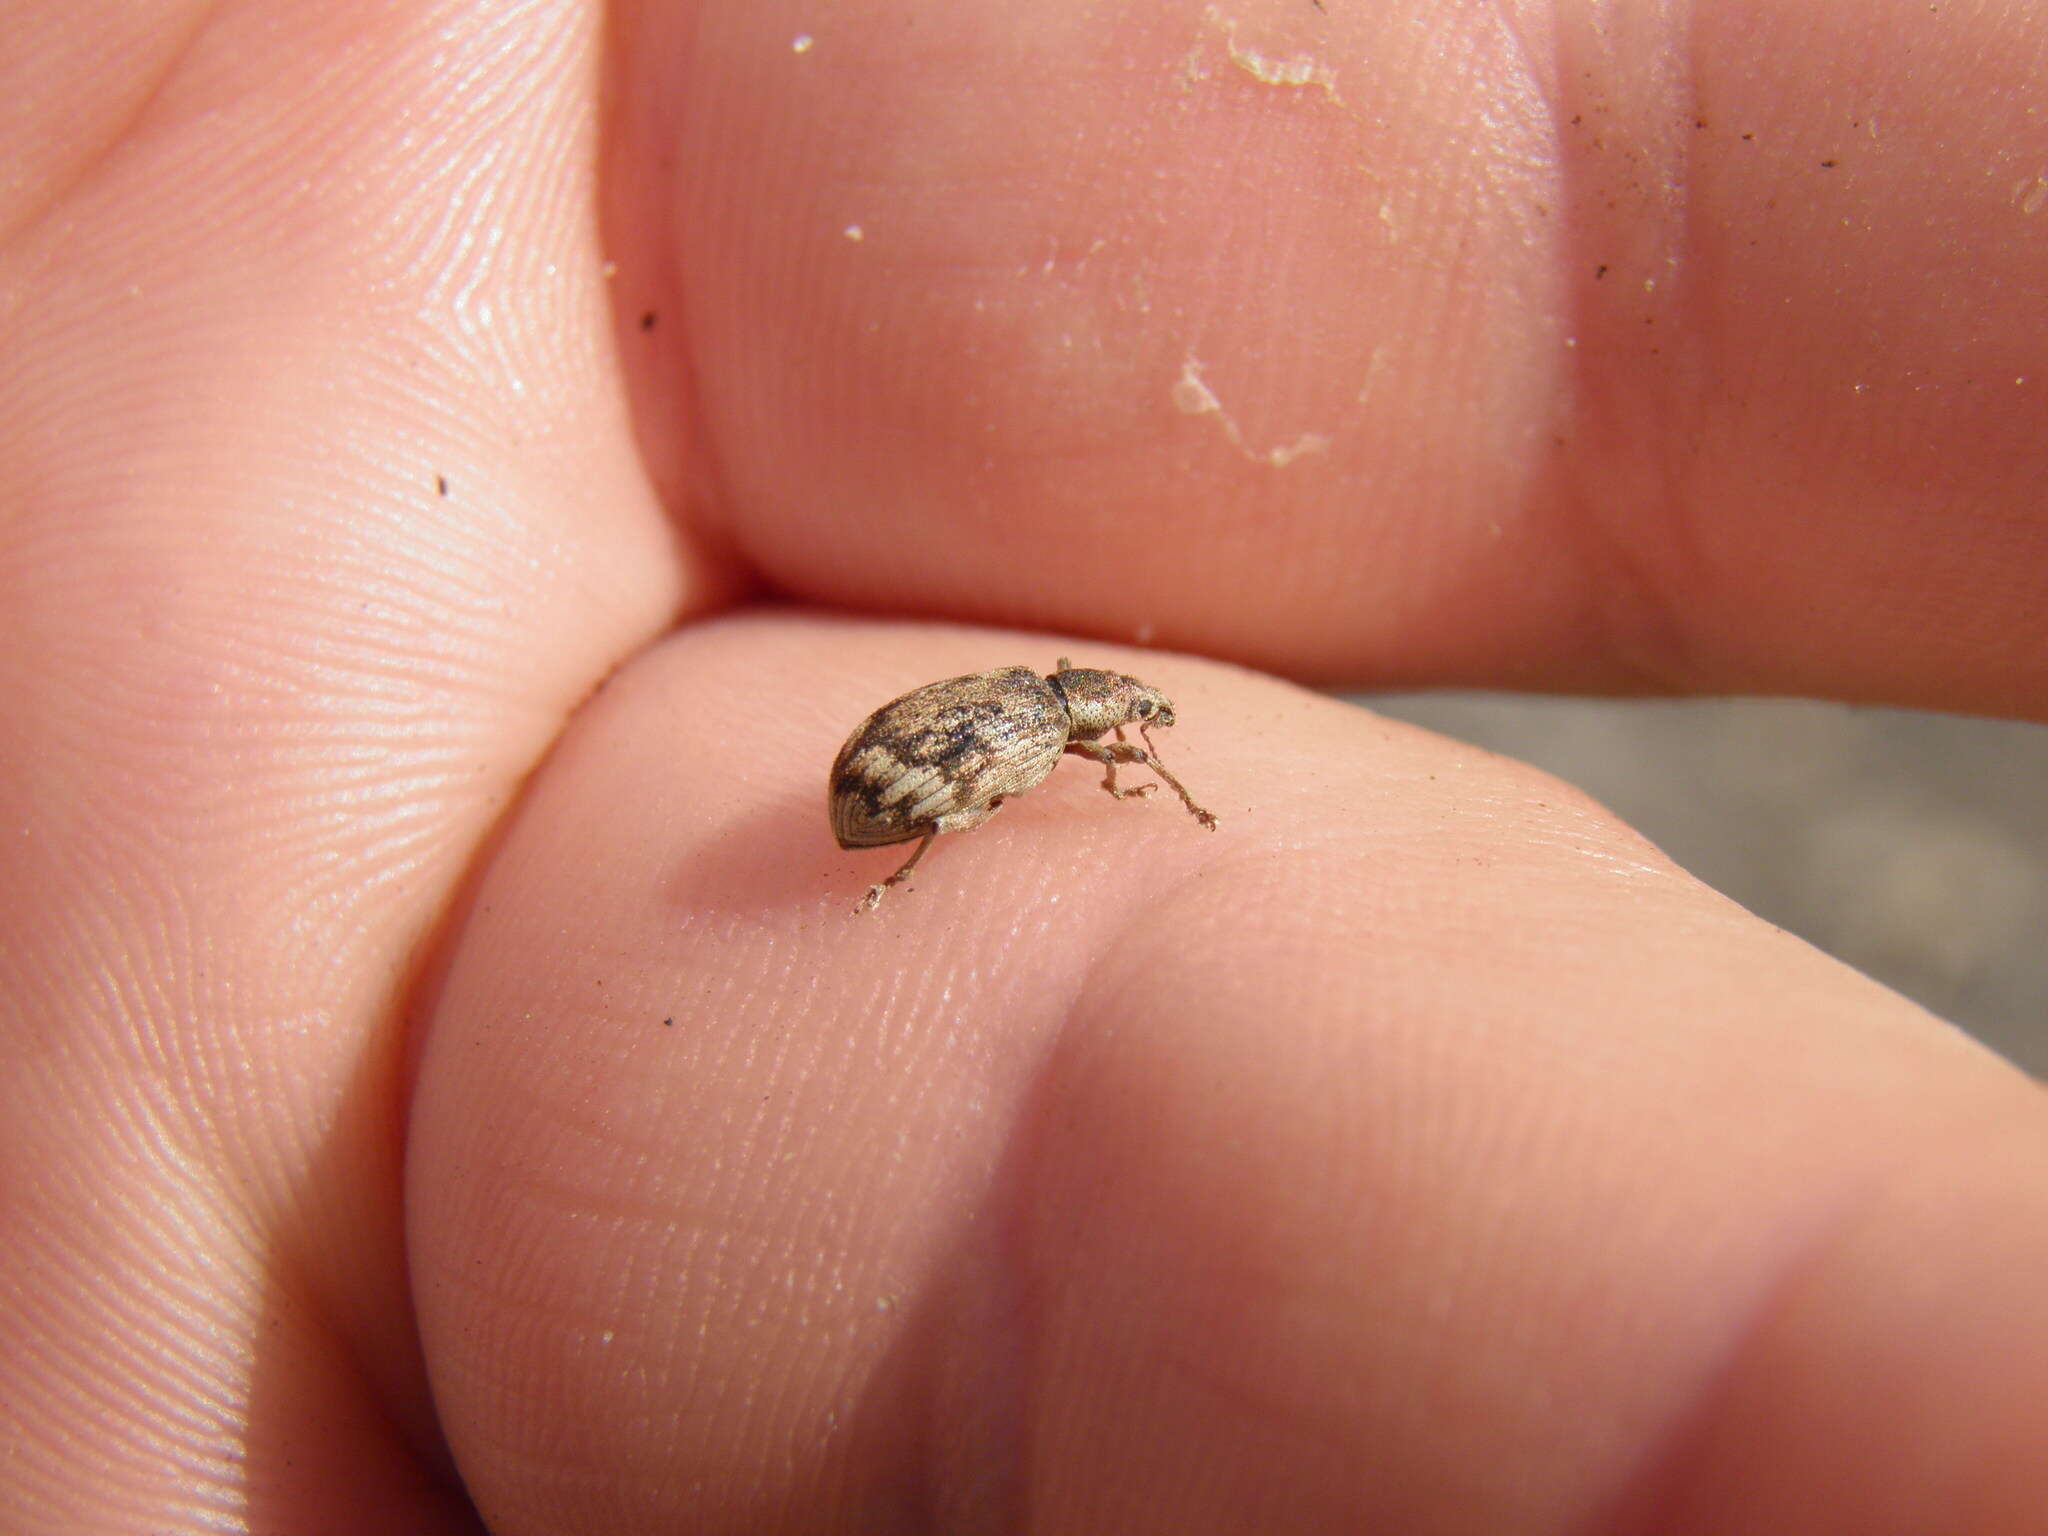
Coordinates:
x,y
445,1086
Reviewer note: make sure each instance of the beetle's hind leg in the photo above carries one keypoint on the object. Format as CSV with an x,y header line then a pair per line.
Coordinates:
x,y
958,821
873,899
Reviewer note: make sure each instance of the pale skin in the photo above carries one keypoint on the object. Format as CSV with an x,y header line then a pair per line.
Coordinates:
x,y
441,1092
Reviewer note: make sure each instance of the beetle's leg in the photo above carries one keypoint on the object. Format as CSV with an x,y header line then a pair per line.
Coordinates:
x,y
958,821
1111,753
1109,756
873,899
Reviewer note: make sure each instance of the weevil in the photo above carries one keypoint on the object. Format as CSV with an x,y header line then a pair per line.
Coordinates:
x,y
944,757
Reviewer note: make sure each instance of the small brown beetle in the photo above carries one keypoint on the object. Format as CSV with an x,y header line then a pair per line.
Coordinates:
x,y
944,757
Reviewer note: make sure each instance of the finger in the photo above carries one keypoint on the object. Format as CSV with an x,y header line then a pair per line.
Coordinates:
x,y
1418,1151
320,512
1572,348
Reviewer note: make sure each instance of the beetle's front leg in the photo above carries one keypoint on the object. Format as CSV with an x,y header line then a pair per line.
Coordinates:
x,y
1110,753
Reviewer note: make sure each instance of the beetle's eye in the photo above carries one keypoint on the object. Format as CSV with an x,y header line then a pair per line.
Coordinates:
x,y
1145,708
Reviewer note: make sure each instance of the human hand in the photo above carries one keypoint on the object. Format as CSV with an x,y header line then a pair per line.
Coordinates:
x,y
439,1091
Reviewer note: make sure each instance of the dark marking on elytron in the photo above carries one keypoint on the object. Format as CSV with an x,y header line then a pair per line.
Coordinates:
x,y
951,733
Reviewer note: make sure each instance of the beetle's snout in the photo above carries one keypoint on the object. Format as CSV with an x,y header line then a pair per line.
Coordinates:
x,y
1149,706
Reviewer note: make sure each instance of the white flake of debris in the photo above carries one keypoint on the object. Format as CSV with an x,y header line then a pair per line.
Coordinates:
x,y
1192,396
1296,71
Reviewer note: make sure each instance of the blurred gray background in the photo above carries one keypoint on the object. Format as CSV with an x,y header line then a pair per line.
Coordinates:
x,y
1915,847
